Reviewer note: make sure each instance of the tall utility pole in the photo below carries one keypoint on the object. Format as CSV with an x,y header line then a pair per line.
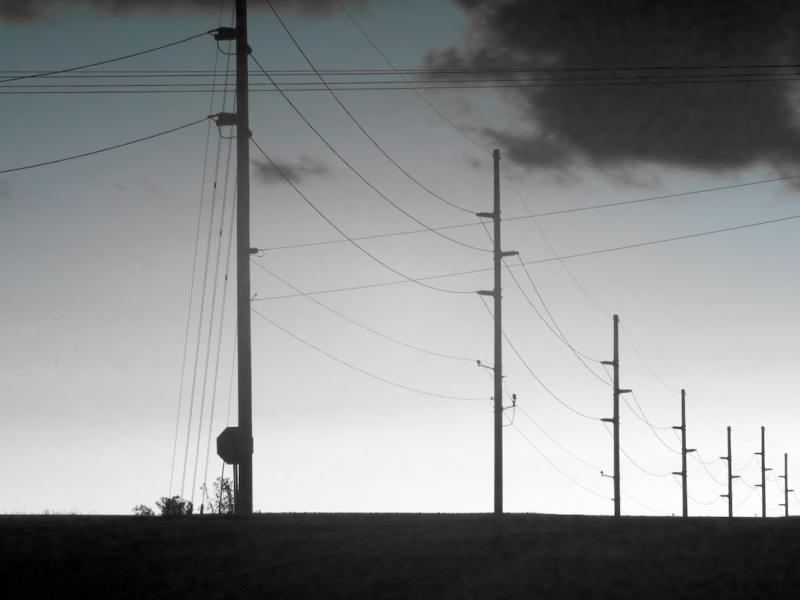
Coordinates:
x,y
731,476
235,445
496,293
786,489
684,452
615,419
764,469
244,497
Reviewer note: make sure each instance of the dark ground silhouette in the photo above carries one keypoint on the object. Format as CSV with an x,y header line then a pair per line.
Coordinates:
x,y
399,556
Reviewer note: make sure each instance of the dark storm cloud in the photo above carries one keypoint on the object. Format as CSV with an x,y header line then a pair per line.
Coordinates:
x,y
21,10
708,126
304,167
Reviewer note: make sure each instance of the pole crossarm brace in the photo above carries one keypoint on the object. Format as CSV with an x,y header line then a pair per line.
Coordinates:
x,y
225,119
230,34
224,34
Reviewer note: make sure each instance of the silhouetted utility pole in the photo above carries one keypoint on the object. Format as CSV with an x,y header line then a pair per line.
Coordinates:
x,y
240,446
684,452
731,476
496,293
615,419
786,490
764,469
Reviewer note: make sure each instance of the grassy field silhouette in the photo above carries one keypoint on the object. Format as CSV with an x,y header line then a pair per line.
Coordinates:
x,y
400,556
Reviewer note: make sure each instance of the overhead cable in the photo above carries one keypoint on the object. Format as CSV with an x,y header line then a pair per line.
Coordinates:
x,y
546,260
358,174
106,149
106,61
341,232
363,371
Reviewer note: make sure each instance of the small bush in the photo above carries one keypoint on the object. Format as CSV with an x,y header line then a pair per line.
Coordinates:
x,y
221,500
142,510
174,507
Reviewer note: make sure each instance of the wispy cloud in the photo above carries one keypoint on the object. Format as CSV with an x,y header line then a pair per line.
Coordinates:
x,y
297,170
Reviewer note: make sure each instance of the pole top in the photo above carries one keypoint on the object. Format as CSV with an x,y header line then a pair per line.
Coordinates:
x,y
496,153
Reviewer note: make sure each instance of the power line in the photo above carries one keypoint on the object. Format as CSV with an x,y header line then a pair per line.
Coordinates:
x,y
191,302
643,418
559,212
356,121
443,71
108,60
707,470
556,442
746,498
358,174
552,464
215,276
535,376
701,503
419,94
191,285
558,334
101,150
632,461
203,288
359,369
357,323
225,280
747,464
546,260
561,335
343,234
642,504
212,210
564,266
398,86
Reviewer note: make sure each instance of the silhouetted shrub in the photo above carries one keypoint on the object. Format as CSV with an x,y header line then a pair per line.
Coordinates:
x,y
174,507
142,510
220,501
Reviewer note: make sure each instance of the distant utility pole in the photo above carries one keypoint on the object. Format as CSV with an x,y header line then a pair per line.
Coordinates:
x,y
731,476
615,419
684,452
764,469
235,445
496,293
786,489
